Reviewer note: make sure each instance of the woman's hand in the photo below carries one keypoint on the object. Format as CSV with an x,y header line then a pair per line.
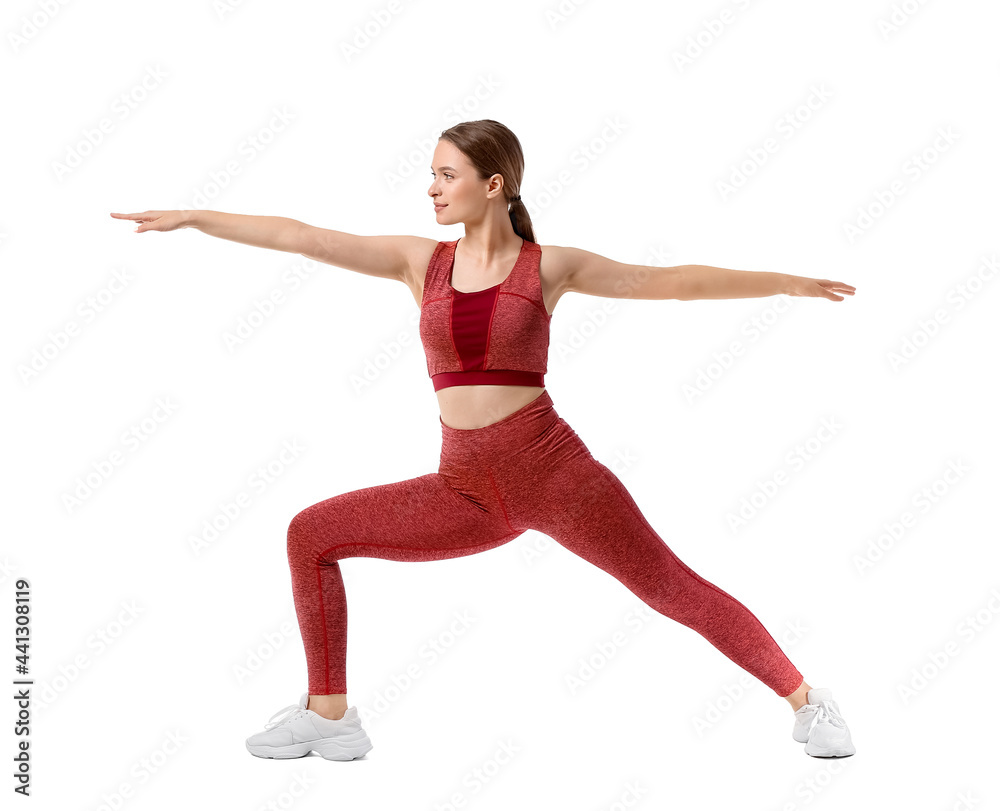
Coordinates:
x,y
821,288
157,220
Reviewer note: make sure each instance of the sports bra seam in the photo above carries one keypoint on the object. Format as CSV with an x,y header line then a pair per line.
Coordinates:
x,y
541,307
451,336
431,274
489,331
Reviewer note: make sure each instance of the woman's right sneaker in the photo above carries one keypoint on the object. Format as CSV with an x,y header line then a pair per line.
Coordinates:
x,y
821,727
300,731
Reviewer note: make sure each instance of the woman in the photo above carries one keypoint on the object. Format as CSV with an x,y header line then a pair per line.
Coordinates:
x,y
508,461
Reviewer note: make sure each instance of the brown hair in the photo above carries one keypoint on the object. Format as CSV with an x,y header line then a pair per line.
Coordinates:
x,y
492,149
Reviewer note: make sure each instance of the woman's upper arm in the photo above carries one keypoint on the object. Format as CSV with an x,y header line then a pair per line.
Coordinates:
x,y
595,275
391,257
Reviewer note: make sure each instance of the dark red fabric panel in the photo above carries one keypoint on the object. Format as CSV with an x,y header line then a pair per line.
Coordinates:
x,y
471,319
489,377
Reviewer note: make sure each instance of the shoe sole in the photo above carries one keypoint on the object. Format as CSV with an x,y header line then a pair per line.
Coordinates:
x,y
327,748
830,752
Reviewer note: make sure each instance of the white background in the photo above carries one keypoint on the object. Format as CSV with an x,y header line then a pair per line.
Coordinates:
x,y
203,648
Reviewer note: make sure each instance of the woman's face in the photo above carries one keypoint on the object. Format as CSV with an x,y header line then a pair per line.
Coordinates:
x,y
455,186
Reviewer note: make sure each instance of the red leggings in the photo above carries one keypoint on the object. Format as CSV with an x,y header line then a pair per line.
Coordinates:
x,y
529,470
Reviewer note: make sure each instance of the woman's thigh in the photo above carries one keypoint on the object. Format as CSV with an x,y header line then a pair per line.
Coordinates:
x,y
584,507
558,488
421,518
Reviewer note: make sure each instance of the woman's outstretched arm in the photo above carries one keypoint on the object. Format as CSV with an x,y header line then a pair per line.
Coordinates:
x,y
706,282
596,275
390,257
276,233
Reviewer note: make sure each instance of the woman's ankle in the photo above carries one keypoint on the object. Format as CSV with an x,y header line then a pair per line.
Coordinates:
x,y
332,707
799,698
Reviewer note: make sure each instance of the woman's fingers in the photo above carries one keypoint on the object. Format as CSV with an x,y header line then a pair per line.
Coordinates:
x,y
152,220
142,218
840,287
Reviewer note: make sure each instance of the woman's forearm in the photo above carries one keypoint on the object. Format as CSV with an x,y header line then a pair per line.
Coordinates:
x,y
706,282
276,233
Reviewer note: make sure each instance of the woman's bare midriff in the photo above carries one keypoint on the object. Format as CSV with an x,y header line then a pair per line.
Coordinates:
x,y
478,406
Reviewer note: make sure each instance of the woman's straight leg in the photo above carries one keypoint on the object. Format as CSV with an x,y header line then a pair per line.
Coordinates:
x,y
419,519
581,504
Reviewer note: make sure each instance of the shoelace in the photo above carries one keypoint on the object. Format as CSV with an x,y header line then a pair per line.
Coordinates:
x,y
827,713
291,712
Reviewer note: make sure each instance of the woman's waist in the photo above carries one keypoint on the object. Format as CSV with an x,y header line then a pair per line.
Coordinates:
x,y
471,407
507,432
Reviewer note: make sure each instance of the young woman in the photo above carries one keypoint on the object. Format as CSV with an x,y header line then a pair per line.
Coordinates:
x,y
508,461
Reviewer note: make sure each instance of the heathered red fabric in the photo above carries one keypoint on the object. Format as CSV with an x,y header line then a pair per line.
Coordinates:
x,y
529,470
497,336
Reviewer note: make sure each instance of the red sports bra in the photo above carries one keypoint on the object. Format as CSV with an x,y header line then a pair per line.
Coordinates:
x,y
497,336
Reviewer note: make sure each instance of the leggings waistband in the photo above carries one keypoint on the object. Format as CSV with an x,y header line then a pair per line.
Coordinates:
x,y
512,432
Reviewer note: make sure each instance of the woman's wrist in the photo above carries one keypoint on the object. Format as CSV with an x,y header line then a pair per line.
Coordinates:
x,y
190,218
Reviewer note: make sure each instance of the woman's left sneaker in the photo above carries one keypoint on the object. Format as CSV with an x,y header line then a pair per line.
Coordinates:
x,y
300,731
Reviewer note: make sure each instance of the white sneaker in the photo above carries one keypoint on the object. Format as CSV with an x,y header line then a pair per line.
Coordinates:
x,y
300,731
821,727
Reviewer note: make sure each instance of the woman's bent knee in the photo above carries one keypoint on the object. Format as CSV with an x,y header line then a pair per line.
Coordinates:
x,y
307,533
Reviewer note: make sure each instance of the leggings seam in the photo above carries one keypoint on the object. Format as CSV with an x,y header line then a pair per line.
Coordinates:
x,y
500,500
319,563
322,613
